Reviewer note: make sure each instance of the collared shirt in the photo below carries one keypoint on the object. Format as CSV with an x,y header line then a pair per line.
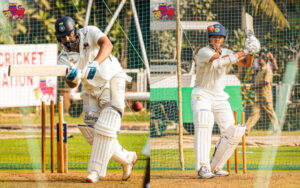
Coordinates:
x,y
207,77
88,50
264,93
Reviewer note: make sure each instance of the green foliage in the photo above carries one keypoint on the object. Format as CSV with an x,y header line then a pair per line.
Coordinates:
x,y
196,10
163,42
271,10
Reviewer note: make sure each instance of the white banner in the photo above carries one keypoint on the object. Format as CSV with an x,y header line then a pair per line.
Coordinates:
x,y
26,91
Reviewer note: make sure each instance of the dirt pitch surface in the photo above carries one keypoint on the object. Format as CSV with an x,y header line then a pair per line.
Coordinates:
x,y
172,179
73,179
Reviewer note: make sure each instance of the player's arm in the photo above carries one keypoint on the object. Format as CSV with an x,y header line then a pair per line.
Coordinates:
x,y
71,84
219,61
105,49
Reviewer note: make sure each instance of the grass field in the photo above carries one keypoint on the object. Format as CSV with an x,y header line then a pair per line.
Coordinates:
x,y
287,158
25,153
36,119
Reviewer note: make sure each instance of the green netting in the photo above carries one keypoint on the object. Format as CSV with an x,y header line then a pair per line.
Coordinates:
x,y
277,28
20,125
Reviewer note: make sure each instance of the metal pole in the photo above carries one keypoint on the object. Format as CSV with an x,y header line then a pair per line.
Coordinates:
x,y
113,19
179,85
139,32
88,12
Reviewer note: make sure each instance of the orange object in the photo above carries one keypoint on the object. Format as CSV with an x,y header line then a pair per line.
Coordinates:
x,y
43,137
137,106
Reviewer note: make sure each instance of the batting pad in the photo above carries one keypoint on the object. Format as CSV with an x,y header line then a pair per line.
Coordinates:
x,y
226,145
203,122
102,150
120,154
108,123
117,87
87,132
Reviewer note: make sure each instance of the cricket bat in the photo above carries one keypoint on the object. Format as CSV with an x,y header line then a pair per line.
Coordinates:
x,y
37,70
249,32
249,25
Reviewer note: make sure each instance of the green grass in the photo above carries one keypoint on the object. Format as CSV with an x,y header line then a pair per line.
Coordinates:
x,y
26,153
287,158
36,119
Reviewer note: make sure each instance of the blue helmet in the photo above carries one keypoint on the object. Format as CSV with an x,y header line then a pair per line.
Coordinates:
x,y
216,29
64,26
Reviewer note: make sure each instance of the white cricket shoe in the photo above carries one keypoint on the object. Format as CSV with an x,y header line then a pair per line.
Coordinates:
x,y
204,173
220,172
92,177
127,169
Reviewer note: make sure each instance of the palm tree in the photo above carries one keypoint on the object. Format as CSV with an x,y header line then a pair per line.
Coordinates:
x,y
270,9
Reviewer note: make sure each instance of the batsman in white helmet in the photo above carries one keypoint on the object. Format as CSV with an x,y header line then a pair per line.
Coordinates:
x,y
209,101
87,51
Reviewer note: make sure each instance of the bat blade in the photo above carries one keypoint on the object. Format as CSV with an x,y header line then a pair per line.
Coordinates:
x,y
37,70
249,25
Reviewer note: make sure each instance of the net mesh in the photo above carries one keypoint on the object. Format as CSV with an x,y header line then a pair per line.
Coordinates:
x,y
278,33
20,123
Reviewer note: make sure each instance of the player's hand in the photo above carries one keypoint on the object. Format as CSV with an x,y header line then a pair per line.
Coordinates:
x,y
90,70
252,45
74,75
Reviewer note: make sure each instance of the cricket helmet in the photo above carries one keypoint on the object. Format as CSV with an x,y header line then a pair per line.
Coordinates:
x,y
216,29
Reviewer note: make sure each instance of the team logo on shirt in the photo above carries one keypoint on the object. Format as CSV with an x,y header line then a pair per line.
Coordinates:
x,y
61,27
86,46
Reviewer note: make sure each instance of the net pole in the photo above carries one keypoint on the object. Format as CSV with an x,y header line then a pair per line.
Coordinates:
x,y
179,85
115,16
88,13
140,37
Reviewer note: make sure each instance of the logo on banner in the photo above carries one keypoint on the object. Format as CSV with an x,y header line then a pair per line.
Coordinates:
x,y
46,90
13,10
164,10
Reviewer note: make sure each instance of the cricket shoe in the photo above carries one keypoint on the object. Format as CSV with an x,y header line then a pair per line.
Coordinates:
x,y
204,173
127,169
220,172
92,177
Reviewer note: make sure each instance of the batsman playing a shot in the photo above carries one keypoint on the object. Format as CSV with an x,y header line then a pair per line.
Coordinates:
x,y
87,51
209,101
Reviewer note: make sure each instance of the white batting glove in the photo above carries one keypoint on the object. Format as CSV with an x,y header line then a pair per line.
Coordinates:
x,y
90,70
252,45
74,75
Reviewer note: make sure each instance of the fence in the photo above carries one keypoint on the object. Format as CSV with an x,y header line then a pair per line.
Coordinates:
x,y
20,120
277,32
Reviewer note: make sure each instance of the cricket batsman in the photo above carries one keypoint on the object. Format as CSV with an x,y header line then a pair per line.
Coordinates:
x,y
87,52
209,101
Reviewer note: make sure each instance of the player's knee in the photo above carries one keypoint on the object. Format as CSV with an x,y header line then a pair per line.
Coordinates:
x,y
234,133
117,85
203,119
109,122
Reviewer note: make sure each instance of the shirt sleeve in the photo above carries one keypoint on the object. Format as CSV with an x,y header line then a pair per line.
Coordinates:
x,y
95,33
204,55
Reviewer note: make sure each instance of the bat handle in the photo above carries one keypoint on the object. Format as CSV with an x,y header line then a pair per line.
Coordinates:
x,y
9,69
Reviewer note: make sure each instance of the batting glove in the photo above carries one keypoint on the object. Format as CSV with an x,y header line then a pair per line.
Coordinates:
x,y
74,75
90,70
252,45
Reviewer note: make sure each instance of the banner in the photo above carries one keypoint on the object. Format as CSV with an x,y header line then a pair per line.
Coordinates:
x,y
26,91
